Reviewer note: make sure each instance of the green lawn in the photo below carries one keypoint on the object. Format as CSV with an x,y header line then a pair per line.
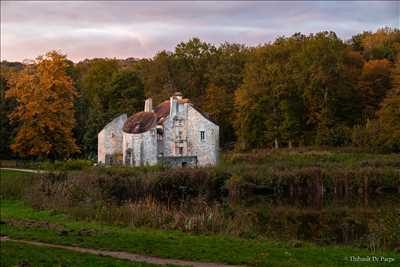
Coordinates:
x,y
15,254
10,174
21,222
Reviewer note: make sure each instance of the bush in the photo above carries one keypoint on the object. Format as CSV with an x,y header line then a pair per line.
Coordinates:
x,y
68,165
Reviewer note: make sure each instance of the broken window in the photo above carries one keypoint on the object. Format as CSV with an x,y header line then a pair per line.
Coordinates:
x,y
128,156
202,135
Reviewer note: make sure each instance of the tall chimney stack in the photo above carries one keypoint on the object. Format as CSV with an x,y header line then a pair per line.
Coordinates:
x,y
173,109
148,105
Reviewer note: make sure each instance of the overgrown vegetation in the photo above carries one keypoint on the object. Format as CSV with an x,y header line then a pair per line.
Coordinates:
x,y
323,196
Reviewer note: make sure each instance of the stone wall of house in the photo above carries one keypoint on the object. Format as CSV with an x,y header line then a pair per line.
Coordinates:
x,y
183,129
110,141
181,161
140,149
175,131
206,149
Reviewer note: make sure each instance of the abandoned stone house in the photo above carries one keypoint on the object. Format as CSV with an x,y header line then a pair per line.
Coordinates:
x,y
174,133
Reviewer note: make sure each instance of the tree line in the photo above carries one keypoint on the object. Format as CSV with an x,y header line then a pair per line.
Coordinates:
x,y
300,90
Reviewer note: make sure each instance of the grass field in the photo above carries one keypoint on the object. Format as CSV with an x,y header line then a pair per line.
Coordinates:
x,y
14,254
21,222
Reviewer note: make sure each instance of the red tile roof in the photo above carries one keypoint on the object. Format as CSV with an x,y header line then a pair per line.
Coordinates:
x,y
140,122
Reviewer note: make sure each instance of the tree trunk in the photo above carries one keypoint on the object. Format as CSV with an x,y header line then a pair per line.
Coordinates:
x,y
276,145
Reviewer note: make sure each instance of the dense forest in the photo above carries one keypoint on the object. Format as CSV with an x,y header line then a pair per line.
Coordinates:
x,y
303,90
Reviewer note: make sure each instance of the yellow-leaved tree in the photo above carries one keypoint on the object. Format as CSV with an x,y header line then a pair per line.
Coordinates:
x,y
45,111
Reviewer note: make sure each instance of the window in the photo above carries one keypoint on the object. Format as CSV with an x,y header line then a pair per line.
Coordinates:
x,y
180,150
202,135
159,134
178,122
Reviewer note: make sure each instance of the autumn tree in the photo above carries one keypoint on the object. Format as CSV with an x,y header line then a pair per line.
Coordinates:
x,y
45,109
389,113
374,84
389,118
382,44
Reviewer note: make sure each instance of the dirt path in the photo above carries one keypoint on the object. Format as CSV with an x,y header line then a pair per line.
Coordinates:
x,y
23,170
123,255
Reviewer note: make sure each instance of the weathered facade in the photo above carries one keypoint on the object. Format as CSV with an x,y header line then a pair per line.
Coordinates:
x,y
175,133
110,140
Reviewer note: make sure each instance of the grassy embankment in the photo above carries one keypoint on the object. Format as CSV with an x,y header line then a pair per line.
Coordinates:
x,y
22,222
49,226
15,254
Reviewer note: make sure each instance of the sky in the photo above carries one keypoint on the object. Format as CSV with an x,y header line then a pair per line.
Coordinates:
x,y
89,29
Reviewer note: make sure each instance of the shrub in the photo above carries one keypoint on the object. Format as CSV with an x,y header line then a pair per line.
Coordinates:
x,y
13,186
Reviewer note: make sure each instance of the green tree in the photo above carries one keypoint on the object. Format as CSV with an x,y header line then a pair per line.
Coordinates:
x,y
95,86
229,62
7,132
194,59
329,94
126,94
158,76
269,103
219,106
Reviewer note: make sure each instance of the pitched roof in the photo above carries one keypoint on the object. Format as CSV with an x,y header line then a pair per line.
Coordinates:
x,y
144,121
162,110
140,122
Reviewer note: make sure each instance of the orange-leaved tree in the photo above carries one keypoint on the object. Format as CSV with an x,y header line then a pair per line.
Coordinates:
x,y
45,111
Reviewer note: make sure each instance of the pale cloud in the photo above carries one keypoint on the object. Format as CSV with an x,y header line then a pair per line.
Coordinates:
x,y
140,29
